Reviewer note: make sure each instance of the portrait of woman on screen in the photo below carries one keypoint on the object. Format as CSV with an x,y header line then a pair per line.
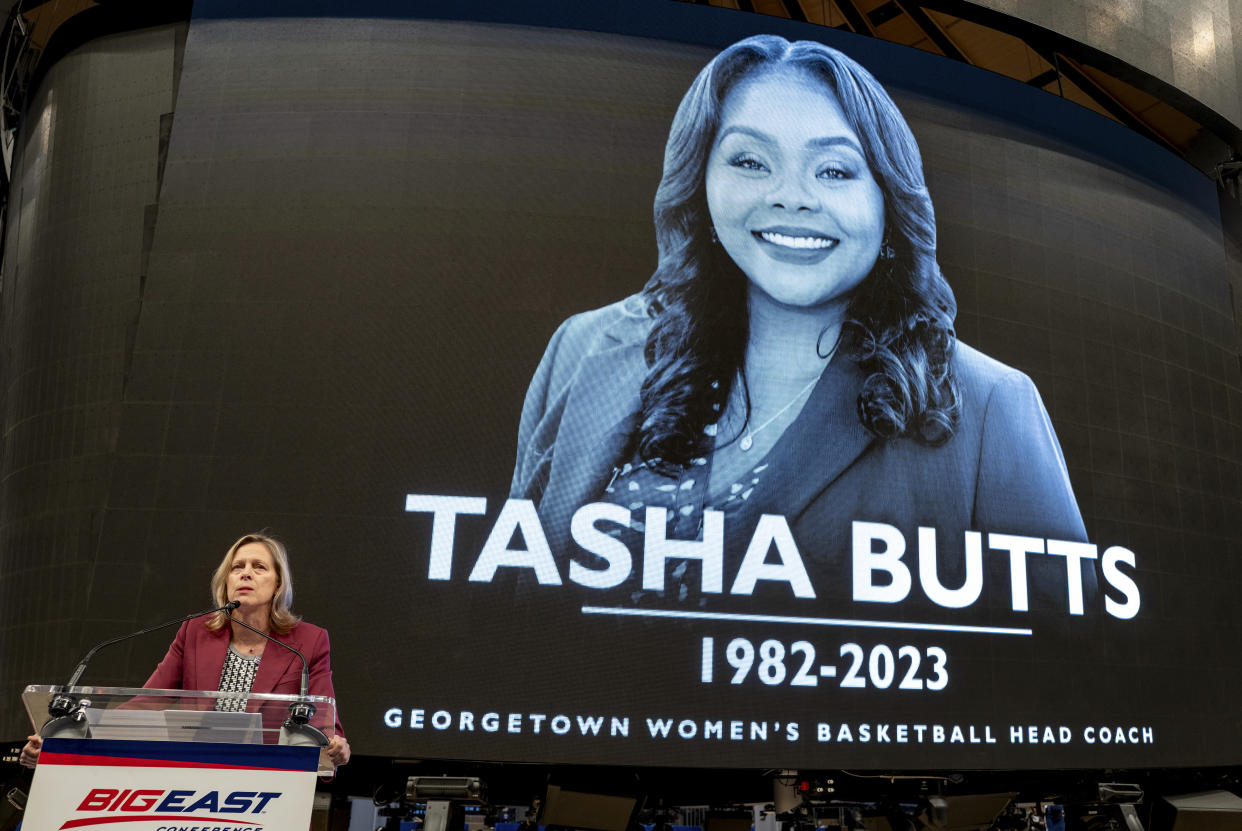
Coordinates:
x,y
794,352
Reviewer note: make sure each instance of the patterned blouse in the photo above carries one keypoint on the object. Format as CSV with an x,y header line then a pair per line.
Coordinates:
x,y
684,495
237,677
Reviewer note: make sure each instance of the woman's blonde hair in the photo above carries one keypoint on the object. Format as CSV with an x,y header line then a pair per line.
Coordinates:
x,y
283,619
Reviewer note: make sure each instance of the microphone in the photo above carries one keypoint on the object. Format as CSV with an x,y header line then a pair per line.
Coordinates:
x,y
64,709
305,666
297,729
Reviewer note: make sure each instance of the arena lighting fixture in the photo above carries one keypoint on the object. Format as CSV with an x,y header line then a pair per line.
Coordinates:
x,y
1126,799
1113,805
1228,174
446,798
1117,792
465,788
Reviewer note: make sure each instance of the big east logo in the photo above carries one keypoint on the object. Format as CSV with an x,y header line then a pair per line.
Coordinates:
x,y
151,805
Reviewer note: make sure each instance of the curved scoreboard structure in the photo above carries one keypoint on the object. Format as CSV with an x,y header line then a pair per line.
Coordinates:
x,y
310,271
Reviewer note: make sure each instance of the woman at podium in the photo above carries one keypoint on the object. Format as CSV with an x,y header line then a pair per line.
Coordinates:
x,y
218,653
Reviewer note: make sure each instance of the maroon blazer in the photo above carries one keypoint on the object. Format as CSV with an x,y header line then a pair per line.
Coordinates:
x,y
196,658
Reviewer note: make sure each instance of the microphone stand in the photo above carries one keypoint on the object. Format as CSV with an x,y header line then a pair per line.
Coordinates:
x,y
68,712
297,729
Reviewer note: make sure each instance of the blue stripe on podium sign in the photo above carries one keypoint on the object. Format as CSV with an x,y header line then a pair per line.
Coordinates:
x,y
127,753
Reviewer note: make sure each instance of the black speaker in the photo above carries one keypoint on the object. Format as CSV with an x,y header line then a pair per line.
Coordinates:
x,y
1205,811
595,811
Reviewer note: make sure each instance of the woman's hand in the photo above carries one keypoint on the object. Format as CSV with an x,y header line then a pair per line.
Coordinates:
x,y
338,751
34,745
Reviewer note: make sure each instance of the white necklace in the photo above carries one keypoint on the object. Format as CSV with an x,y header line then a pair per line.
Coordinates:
x,y
748,440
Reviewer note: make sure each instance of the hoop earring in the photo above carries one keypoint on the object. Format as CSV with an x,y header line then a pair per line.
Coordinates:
x,y
887,252
819,343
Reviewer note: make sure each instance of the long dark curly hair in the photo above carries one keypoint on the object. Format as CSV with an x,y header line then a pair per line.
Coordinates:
x,y
899,322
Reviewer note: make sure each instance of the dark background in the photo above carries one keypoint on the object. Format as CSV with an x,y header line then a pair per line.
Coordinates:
x,y
334,256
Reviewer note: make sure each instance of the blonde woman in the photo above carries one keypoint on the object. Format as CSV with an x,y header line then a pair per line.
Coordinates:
x,y
214,653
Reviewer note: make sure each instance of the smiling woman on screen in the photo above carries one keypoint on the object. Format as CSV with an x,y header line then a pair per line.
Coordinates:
x,y
794,351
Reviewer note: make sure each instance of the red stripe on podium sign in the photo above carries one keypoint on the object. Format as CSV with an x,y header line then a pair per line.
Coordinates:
x,y
87,822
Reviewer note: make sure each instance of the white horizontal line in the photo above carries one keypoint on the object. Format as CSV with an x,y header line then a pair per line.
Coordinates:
x,y
807,621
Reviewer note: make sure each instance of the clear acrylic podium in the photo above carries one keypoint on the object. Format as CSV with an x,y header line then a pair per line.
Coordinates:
x,y
139,755
126,713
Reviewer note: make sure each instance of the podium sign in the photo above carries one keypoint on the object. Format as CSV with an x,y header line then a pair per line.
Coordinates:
x,y
171,786
168,760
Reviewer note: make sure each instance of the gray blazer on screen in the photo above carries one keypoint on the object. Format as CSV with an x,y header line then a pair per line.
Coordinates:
x,y
1002,471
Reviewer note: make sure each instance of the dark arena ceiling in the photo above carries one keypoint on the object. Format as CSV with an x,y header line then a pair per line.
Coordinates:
x,y
1003,44
956,29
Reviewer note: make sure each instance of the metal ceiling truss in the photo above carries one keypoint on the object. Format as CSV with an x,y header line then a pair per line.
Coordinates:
x,y
1073,66
1177,120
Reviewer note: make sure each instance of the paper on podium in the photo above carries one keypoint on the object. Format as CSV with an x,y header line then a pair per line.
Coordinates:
x,y
211,726
175,725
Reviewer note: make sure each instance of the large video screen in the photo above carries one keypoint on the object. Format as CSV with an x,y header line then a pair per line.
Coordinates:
x,y
701,389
